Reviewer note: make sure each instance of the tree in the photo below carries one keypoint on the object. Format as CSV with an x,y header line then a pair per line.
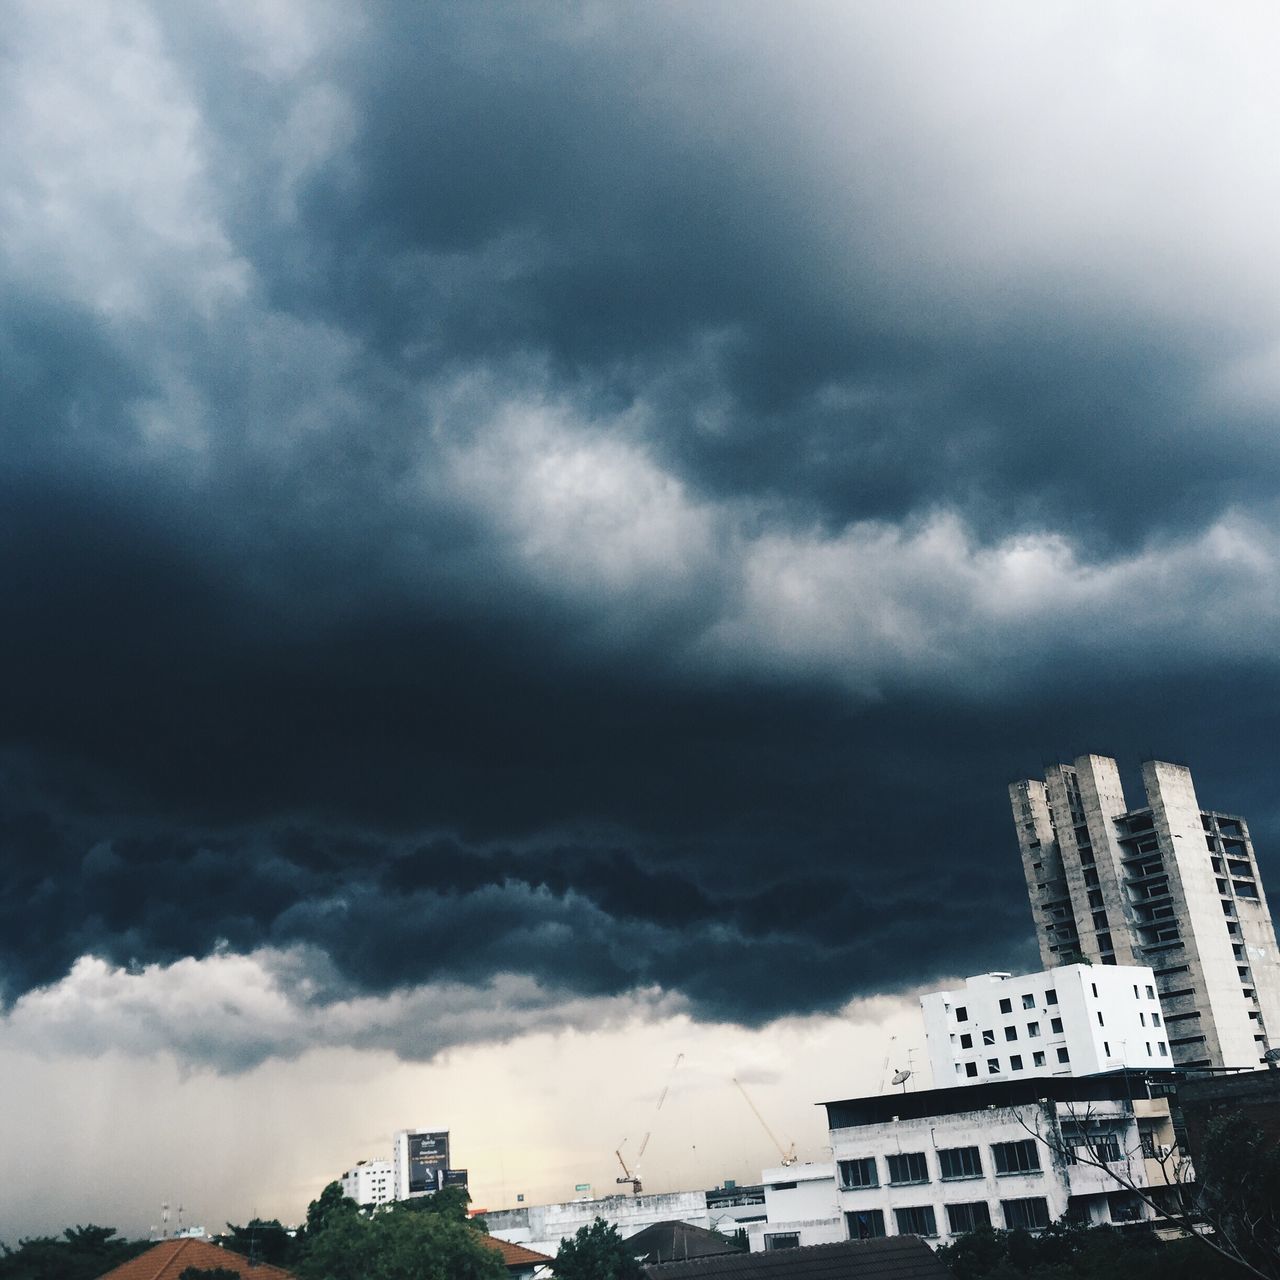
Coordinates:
x,y
596,1252
262,1240
1230,1206
448,1202
83,1253
208,1273
399,1246
331,1204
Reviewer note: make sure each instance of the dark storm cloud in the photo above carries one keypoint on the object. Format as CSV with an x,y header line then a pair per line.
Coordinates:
x,y
607,495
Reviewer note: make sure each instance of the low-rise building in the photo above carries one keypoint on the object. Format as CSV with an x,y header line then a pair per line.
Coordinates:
x,y
1075,1020
543,1226
801,1208
1017,1153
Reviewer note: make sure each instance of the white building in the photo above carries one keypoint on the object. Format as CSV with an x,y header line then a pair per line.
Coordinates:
x,y
543,1226
1075,1020
420,1158
800,1208
1170,885
941,1162
370,1182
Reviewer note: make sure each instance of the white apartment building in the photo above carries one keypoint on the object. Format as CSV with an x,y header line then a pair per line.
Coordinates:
x,y
800,1208
370,1182
942,1162
1076,1020
1170,885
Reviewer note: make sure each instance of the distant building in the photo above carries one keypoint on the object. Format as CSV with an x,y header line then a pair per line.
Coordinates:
x,y
941,1162
370,1183
1075,1020
733,1208
1169,885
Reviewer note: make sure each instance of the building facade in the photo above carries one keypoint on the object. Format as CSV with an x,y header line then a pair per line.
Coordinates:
x,y
1170,886
942,1162
1074,1020
800,1208
370,1183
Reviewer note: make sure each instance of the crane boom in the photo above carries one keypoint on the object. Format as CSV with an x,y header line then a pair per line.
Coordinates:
x,y
788,1157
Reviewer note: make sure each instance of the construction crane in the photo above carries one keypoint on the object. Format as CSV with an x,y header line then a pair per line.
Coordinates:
x,y
631,1177
789,1157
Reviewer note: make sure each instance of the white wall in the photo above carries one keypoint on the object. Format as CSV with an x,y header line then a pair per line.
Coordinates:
x,y
543,1226
370,1182
1108,1021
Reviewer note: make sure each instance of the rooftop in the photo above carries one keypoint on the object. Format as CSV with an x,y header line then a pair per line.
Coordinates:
x,y
1107,1086
890,1258
170,1258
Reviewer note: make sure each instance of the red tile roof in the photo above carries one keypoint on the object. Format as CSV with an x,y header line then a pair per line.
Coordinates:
x,y
515,1255
170,1258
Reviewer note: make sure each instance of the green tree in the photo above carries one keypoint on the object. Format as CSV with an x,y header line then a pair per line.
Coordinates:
x,y
328,1206
399,1246
448,1202
596,1252
262,1240
81,1253
208,1273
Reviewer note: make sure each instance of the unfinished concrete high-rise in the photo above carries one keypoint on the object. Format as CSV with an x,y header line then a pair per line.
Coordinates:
x,y
1171,885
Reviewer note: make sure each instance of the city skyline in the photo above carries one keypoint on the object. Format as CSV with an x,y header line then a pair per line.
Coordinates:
x,y
536,538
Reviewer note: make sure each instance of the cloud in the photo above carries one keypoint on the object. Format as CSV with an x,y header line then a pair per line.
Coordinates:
x,y
604,499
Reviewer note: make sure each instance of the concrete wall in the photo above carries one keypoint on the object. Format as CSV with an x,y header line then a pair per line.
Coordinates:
x,y
1056,1181
542,1227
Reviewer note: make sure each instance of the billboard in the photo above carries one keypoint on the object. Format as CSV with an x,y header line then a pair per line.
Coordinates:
x,y
428,1160
455,1177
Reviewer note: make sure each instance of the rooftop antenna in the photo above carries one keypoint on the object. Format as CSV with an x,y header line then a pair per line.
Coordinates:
x,y
884,1071
164,1220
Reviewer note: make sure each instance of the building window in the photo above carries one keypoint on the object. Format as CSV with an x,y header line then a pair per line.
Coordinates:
x,y
1063,1056
1006,1006
1164,1052
962,1014
909,1166
865,1224
782,1240
1016,1157
1015,1062
1028,1001
1037,1058
859,1173
1027,1215
1055,1025
966,1041
916,1221
988,1037
1033,1029
993,1066
968,1217
1051,996
1100,1021
1155,1019
960,1162
971,1069
1011,1033
1106,1048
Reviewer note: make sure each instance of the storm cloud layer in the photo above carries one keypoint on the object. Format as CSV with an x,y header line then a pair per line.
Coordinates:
x,y
524,507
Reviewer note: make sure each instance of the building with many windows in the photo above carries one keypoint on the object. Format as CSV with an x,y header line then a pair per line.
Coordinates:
x,y
370,1182
1169,885
1075,1020
1017,1153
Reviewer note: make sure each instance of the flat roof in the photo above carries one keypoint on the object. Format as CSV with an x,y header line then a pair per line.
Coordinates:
x,y
1108,1086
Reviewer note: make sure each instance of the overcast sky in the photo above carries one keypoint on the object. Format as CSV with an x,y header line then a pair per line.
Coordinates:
x,y
534,538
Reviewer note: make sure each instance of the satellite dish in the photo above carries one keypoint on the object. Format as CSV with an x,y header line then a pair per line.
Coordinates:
x,y
1271,1055
901,1077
